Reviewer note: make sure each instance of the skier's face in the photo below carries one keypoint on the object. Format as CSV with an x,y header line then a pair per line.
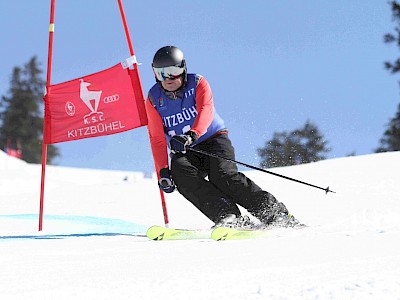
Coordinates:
x,y
172,85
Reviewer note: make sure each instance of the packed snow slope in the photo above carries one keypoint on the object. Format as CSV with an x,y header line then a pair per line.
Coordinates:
x,y
93,244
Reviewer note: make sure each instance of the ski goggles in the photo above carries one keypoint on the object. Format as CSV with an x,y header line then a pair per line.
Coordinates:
x,y
171,72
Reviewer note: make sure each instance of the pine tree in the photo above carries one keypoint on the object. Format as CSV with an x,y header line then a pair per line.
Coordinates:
x,y
391,137
21,113
299,146
389,38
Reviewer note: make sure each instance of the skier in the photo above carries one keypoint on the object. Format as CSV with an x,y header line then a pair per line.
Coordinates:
x,y
181,115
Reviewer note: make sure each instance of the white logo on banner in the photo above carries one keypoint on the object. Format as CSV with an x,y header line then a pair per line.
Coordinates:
x,y
92,101
89,96
111,98
70,108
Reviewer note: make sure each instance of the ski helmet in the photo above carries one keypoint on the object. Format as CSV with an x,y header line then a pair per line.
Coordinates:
x,y
169,62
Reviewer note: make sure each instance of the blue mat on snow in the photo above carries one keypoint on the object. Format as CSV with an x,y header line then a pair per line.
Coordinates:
x,y
63,226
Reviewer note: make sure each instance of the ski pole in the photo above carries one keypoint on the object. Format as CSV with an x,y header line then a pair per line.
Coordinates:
x,y
259,169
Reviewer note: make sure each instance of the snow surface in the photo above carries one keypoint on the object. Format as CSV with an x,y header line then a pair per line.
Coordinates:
x,y
93,245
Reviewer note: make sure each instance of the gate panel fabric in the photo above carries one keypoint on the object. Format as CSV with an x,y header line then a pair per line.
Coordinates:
x,y
99,104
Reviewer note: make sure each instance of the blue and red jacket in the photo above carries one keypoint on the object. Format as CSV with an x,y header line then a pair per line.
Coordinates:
x,y
171,113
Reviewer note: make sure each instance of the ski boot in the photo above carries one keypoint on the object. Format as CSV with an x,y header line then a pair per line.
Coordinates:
x,y
231,221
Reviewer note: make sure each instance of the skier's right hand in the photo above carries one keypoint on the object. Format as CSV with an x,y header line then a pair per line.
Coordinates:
x,y
165,182
180,143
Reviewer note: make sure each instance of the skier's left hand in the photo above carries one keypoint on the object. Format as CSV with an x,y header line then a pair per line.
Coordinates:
x,y
179,143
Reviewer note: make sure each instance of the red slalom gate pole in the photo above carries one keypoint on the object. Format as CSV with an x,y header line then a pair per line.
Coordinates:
x,y
137,86
48,81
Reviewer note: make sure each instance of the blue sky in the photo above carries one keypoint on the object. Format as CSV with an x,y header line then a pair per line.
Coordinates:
x,y
272,65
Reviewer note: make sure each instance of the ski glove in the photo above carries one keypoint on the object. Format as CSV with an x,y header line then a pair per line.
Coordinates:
x,y
166,183
180,143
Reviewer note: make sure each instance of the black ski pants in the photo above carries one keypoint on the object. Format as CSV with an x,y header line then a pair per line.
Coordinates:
x,y
214,185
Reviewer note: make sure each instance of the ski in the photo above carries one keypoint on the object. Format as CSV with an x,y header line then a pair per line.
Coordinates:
x,y
226,233
160,233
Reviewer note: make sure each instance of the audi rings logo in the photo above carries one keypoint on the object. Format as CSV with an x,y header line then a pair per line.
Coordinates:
x,y
112,98
70,108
